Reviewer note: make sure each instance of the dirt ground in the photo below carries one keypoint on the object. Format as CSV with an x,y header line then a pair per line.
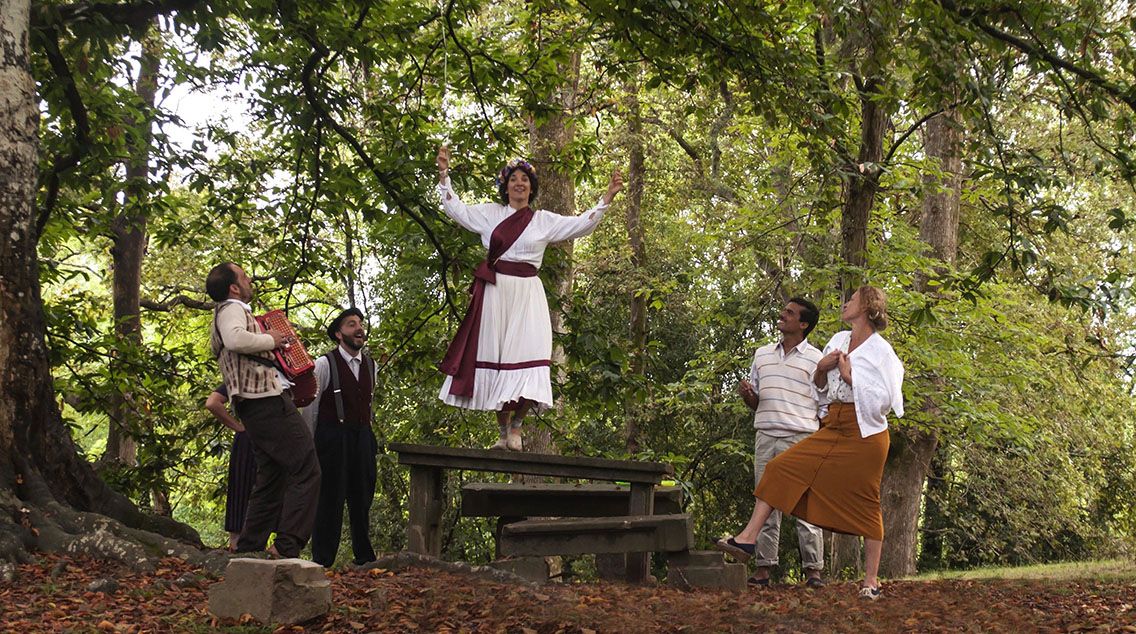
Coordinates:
x,y
53,595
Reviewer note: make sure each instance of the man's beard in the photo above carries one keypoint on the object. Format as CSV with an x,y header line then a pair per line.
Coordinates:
x,y
349,343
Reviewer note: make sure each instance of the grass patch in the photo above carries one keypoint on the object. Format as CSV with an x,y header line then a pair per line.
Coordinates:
x,y
1106,570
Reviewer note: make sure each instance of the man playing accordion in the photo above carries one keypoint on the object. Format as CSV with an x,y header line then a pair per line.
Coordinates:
x,y
288,474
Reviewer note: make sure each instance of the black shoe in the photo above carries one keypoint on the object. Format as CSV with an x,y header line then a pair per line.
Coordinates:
x,y
814,582
739,551
757,582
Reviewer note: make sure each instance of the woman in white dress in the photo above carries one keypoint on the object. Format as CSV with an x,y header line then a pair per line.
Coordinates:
x,y
499,359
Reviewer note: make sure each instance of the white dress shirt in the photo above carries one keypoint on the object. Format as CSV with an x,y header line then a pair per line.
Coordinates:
x,y
323,380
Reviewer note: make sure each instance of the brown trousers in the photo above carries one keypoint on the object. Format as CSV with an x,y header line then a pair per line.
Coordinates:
x,y
286,492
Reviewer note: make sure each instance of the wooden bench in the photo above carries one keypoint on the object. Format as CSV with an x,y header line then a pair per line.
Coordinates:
x,y
515,499
579,536
428,462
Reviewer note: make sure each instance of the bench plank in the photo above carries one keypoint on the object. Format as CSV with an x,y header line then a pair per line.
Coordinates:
x,y
550,465
627,534
490,499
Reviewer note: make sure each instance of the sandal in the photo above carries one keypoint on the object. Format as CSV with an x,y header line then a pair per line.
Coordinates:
x,y
758,582
739,551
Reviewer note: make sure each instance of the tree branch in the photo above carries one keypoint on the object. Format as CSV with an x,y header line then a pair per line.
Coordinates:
x,y
915,126
136,15
319,51
1128,97
81,144
180,300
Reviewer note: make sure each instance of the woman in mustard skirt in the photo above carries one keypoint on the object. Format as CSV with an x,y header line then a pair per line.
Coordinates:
x,y
832,478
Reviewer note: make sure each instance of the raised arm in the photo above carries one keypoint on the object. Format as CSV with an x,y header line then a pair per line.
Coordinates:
x,y
470,218
572,227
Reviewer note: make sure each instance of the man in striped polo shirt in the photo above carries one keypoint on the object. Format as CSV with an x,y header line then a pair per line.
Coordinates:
x,y
780,392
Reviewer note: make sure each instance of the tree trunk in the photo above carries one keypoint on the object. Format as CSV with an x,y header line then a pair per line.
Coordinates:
x,y
912,450
128,229
901,496
549,138
939,221
844,555
46,487
864,171
633,217
865,182
931,550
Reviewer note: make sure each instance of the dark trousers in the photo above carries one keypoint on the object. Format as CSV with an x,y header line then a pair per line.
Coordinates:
x,y
287,476
347,459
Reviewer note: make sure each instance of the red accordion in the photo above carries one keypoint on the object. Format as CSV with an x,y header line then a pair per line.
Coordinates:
x,y
293,358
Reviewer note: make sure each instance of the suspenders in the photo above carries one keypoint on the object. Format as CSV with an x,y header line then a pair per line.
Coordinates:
x,y
337,388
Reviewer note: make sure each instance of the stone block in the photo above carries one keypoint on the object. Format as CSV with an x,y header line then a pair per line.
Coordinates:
x,y
533,569
731,577
282,591
695,558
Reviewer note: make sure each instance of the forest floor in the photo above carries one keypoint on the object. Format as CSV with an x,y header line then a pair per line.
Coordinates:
x,y
52,595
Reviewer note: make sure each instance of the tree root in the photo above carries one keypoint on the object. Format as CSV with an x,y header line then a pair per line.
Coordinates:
x,y
40,523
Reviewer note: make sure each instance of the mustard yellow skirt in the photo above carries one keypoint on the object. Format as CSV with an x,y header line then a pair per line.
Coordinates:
x,y
832,478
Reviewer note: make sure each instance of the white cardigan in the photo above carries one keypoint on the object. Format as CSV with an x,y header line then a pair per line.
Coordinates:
x,y
877,381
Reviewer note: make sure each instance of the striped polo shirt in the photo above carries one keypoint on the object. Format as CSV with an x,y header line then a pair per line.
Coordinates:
x,y
787,402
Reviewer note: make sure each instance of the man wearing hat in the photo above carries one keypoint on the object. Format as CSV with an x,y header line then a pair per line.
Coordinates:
x,y
345,442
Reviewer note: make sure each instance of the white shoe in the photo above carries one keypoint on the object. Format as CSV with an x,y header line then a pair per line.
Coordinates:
x,y
867,592
513,442
501,444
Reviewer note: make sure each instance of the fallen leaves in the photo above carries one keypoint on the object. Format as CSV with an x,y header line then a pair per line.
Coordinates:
x,y
52,594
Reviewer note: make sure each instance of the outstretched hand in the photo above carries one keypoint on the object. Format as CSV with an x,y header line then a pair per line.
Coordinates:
x,y
614,186
443,161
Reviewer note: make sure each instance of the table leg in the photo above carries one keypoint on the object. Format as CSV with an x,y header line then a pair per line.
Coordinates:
x,y
642,503
424,531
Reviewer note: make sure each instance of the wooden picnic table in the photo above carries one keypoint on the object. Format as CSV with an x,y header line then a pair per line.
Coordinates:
x,y
428,462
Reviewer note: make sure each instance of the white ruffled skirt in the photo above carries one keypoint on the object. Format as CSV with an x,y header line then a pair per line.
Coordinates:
x,y
515,331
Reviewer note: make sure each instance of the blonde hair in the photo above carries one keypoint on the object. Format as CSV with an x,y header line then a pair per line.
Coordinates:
x,y
873,301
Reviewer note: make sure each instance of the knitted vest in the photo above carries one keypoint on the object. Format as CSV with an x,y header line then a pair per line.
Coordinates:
x,y
243,377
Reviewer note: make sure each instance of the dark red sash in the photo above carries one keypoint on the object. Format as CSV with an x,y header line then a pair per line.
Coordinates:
x,y
460,361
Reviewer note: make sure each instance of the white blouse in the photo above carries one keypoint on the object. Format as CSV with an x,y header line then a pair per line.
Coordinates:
x,y
877,382
546,227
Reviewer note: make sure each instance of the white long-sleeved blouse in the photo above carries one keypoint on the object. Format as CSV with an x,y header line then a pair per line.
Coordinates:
x,y
546,227
877,382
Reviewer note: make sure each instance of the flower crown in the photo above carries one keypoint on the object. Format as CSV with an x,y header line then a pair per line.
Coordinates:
x,y
512,165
